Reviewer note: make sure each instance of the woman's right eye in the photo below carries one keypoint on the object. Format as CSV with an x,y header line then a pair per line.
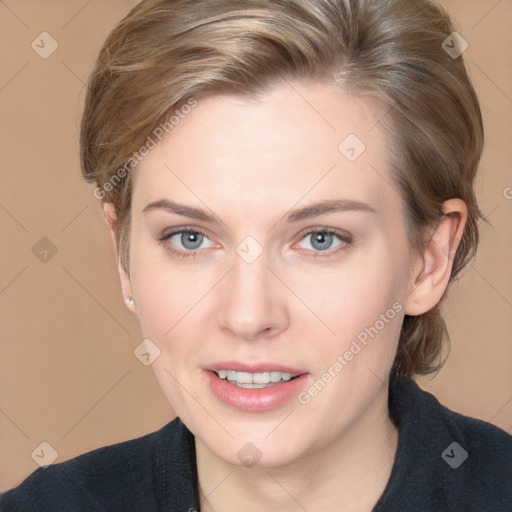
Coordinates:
x,y
185,242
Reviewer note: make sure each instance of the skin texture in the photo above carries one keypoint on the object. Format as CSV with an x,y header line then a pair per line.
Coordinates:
x,y
249,162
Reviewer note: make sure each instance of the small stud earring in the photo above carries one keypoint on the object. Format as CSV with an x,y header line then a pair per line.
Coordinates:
x,y
129,301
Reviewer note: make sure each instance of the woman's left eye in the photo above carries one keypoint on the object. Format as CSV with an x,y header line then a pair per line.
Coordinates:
x,y
325,240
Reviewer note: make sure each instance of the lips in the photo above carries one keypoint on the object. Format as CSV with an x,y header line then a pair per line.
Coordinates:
x,y
254,387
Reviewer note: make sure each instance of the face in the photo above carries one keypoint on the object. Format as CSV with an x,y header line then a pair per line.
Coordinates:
x,y
265,243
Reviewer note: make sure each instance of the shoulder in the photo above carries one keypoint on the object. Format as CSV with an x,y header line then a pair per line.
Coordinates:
x,y
446,459
89,481
484,442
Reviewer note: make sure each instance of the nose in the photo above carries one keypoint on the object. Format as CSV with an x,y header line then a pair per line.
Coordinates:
x,y
252,303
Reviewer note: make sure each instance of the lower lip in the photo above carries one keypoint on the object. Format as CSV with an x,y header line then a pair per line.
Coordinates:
x,y
255,399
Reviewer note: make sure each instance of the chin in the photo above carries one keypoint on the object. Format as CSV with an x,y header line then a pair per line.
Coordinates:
x,y
255,447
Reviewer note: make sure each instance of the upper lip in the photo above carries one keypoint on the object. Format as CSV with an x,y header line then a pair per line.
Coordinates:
x,y
260,367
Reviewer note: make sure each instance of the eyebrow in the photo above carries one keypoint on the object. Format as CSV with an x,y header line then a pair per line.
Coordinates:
x,y
328,206
306,212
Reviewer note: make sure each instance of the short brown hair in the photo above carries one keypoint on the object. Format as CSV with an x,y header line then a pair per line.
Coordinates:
x,y
165,52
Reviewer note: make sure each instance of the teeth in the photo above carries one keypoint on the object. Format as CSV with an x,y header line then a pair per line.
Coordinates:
x,y
275,376
251,386
243,377
261,378
254,380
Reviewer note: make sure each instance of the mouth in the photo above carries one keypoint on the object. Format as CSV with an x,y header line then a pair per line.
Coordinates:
x,y
256,387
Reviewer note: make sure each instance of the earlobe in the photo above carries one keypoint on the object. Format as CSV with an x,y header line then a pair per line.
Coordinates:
x,y
434,266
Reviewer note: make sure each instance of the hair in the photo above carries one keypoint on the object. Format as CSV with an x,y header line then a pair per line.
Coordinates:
x,y
167,52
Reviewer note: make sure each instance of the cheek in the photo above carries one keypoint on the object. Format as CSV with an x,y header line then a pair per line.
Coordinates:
x,y
171,303
158,305
362,292
167,300
164,292
363,309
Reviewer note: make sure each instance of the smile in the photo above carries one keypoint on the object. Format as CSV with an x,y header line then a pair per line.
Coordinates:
x,y
255,387
255,380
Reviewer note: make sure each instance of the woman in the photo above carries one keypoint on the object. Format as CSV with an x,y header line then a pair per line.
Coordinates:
x,y
289,187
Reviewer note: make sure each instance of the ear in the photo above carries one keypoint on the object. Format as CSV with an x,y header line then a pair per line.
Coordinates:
x,y
109,214
433,267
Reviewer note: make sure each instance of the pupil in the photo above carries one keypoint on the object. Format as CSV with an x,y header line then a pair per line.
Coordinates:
x,y
191,240
323,240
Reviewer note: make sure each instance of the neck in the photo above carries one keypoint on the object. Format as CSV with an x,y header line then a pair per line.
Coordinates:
x,y
348,474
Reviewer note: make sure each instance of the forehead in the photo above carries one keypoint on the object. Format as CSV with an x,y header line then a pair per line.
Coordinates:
x,y
298,140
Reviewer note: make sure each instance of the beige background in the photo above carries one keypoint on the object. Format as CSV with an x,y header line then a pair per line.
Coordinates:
x,y
68,375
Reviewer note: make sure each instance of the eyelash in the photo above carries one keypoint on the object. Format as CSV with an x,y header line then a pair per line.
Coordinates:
x,y
345,239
